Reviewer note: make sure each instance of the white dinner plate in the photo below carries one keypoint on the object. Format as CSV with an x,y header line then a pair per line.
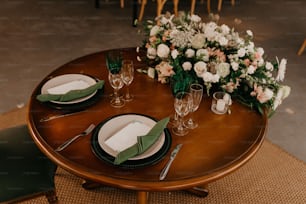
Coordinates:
x,y
115,124
67,82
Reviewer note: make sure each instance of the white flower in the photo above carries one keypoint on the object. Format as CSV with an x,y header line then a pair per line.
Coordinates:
x,y
264,96
223,69
225,29
269,66
151,53
251,47
241,52
200,67
209,30
222,41
251,69
198,41
250,33
163,51
187,66
151,72
190,53
282,93
209,77
154,30
174,53
281,70
195,18
260,51
235,66
203,54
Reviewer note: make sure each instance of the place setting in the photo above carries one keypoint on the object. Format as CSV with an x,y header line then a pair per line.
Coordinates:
x,y
71,92
131,140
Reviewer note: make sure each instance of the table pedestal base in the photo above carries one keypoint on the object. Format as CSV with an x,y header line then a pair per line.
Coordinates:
x,y
142,196
199,191
89,185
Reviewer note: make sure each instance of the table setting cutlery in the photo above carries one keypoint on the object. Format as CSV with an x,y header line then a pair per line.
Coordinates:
x,y
69,141
52,117
165,170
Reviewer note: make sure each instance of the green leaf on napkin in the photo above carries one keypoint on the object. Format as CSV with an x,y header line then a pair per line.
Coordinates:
x,y
71,95
143,142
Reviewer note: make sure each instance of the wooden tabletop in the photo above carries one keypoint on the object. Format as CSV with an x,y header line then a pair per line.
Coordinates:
x,y
220,145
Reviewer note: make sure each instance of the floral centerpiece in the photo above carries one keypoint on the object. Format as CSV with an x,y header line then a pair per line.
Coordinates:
x,y
183,49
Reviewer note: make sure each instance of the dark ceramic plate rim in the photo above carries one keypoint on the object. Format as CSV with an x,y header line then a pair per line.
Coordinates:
x,y
130,164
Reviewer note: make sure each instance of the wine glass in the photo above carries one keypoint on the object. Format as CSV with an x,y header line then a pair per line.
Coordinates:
x,y
115,80
196,92
128,76
182,104
114,61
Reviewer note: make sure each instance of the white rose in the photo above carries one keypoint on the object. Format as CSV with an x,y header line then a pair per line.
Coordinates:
x,y
195,18
198,41
251,69
235,66
250,33
203,54
174,53
222,41
223,69
225,29
269,66
241,52
260,51
163,51
190,53
209,77
154,30
251,47
187,66
151,53
200,67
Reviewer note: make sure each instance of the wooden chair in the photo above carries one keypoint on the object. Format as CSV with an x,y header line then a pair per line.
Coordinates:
x,y
159,7
97,3
302,48
193,3
24,171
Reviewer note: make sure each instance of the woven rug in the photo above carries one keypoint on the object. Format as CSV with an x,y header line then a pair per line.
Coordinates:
x,y
271,176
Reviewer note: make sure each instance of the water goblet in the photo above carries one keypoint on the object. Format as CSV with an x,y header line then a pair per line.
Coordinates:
x,y
114,61
196,92
182,104
128,76
115,80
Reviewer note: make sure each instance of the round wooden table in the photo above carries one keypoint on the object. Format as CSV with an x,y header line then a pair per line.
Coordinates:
x,y
220,145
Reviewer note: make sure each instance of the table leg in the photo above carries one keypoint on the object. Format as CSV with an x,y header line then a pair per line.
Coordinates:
x,y
200,191
142,197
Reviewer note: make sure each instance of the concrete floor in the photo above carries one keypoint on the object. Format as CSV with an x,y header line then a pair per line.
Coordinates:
x,y
38,36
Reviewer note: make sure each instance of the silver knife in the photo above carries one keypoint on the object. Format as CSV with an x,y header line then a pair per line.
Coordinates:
x,y
165,170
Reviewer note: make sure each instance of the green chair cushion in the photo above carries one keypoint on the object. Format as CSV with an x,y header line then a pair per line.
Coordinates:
x,y
24,170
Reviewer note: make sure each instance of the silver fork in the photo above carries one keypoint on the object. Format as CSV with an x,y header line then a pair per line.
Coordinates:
x,y
68,142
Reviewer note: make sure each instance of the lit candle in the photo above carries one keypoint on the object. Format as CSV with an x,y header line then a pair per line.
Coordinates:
x,y
220,105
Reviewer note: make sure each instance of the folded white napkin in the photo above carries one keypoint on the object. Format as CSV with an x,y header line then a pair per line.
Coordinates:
x,y
66,87
127,136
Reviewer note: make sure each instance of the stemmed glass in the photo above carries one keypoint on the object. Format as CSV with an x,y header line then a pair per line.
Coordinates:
x,y
115,80
196,92
128,76
182,104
